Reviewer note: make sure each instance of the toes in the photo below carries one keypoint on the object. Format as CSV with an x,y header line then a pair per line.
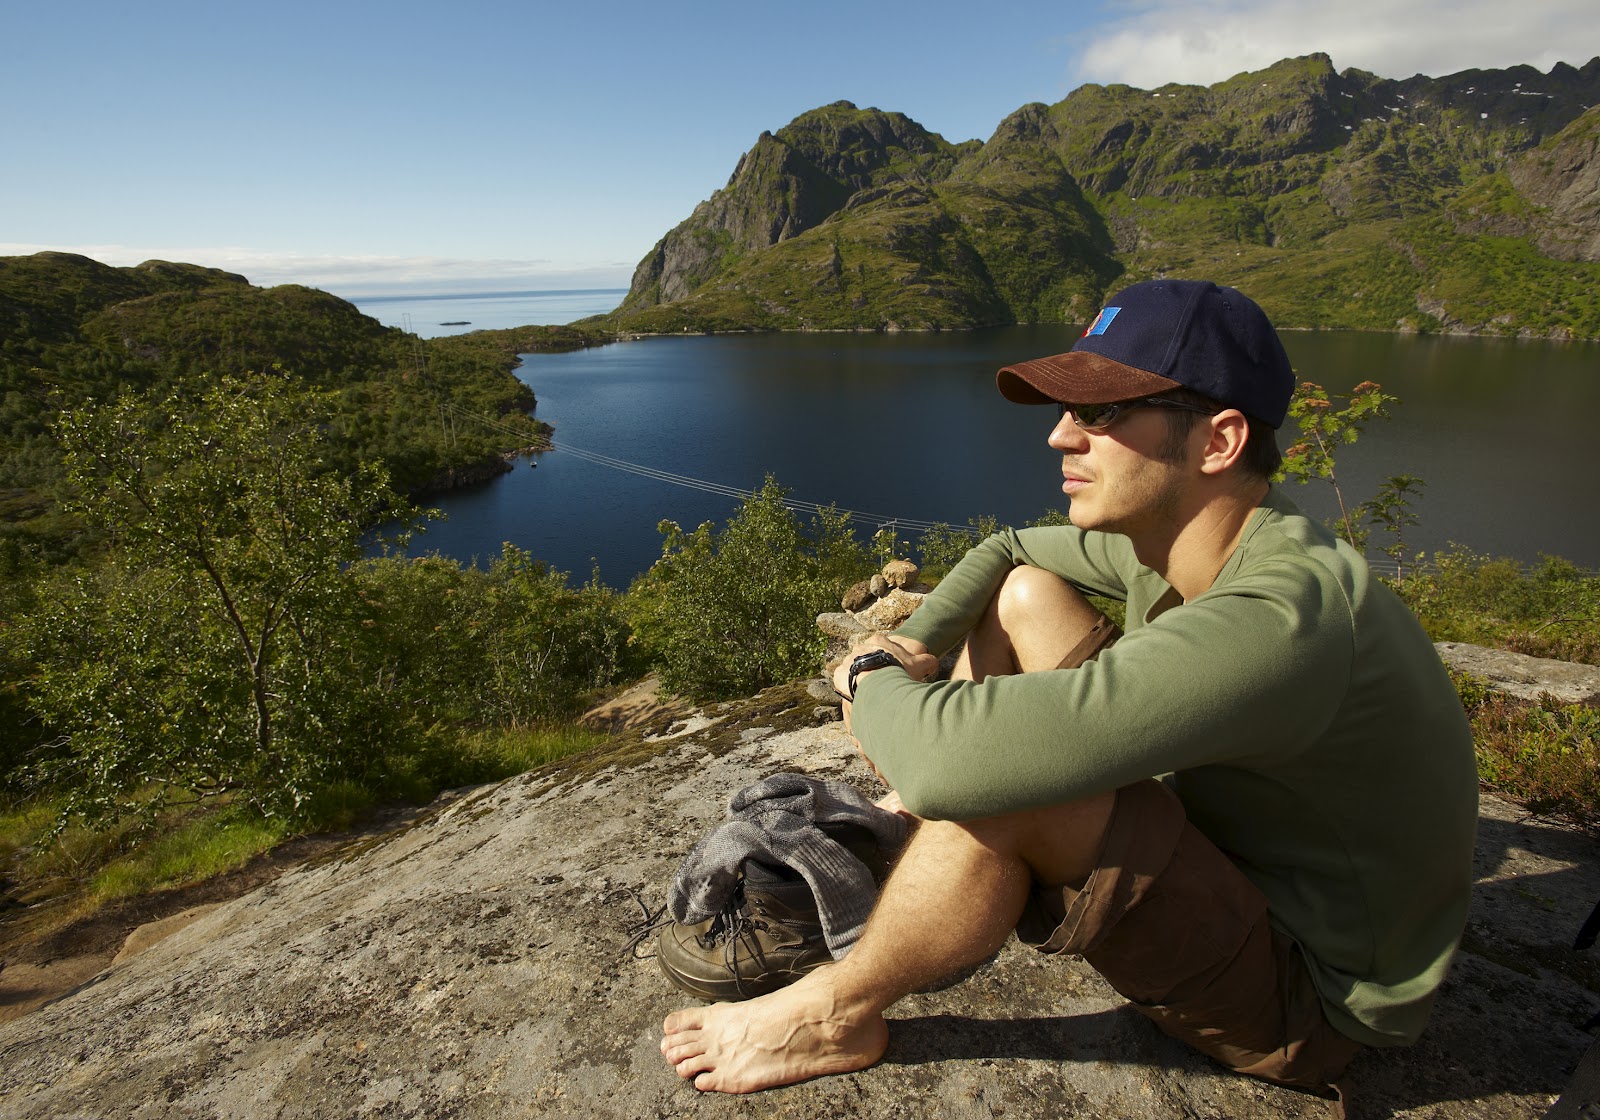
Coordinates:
x,y
696,1066
712,1082
678,1051
686,1020
678,1040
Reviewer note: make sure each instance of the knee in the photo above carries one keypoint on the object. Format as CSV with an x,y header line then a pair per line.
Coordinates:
x,y
1052,836
1028,592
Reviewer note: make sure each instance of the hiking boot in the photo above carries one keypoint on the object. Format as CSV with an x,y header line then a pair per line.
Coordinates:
x,y
768,936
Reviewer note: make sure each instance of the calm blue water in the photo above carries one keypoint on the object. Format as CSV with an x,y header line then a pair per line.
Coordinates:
x,y
427,315
910,426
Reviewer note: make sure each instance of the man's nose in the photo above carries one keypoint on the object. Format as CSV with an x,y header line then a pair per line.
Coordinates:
x,y
1067,436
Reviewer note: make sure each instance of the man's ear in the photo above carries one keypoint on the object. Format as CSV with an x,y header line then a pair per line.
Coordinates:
x,y
1226,435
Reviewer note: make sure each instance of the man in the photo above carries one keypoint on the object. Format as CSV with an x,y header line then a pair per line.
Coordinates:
x,y
1296,884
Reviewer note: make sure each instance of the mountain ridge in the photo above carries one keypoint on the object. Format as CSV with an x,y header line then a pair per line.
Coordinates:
x,y
1340,199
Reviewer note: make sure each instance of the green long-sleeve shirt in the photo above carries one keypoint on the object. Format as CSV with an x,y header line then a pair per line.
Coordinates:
x,y
1296,707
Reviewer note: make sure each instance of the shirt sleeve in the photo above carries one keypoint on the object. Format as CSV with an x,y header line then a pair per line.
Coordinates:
x,y
1233,676
953,608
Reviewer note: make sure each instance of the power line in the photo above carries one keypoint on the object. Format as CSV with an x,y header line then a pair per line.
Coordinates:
x,y
1383,566
706,486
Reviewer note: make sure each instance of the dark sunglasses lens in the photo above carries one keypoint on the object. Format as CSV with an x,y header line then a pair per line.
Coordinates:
x,y
1089,415
1094,415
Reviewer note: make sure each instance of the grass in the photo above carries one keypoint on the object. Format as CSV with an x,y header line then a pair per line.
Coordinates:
x,y
84,869
207,846
501,752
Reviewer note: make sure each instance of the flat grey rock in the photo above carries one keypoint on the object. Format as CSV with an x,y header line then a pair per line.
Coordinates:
x,y
475,965
1525,676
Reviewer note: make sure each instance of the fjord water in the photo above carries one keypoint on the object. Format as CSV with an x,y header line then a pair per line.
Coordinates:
x,y
910,426
432,316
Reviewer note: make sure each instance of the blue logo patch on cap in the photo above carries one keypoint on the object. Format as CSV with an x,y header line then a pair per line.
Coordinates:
x,y
1102,321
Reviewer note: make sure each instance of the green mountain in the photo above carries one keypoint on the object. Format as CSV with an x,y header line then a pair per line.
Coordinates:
x,y
73,330
1470,202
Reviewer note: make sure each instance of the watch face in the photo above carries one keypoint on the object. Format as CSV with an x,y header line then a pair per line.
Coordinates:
x,y
876,659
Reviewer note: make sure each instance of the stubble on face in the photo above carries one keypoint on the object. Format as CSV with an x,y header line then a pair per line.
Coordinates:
x,y
1134,489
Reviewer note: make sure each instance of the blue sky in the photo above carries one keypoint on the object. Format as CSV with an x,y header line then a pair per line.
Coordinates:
x,y
368,148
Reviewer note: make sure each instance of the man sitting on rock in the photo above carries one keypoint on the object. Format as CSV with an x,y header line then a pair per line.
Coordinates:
x,y
1253,813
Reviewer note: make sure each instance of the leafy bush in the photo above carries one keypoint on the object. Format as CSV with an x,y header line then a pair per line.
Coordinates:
x,y
512,646
1323,429
730,612
212,653
1552,610
942,546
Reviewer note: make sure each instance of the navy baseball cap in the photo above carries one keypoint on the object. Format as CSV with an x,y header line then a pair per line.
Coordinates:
x,y
1162,335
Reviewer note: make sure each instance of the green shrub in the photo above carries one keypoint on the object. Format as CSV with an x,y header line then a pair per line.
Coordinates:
x,y
942,546
216,651
511,645
729,612
1552,610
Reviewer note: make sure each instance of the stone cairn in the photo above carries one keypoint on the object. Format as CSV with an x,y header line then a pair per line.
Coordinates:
x,y
873,606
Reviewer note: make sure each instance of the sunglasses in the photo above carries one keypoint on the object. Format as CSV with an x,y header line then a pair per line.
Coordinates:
x,y
1099,417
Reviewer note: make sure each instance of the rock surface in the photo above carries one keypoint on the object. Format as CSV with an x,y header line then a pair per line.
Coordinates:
x,y
475,965
858,596
1525,676
1563,176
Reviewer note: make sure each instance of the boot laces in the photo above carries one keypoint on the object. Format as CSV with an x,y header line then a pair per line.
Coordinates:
x,y
639,932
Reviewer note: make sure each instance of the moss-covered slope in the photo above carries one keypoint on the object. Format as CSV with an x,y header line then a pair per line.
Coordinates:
x,y
74,330
1340,199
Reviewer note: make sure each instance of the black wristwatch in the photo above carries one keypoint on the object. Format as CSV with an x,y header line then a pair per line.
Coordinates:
x,y
877,659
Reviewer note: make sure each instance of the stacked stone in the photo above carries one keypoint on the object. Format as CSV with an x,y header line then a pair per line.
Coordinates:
x,y
873,606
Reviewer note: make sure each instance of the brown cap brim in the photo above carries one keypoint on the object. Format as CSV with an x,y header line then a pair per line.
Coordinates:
x,y
1078,377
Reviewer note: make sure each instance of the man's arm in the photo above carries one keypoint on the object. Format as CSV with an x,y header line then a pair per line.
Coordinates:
x,y
1252,673
1088,561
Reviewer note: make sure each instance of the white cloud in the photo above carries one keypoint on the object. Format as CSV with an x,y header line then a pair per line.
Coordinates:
x,y
369,274
1210,40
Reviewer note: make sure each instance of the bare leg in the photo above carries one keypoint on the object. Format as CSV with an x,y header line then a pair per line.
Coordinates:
x,y
1031,624
953,899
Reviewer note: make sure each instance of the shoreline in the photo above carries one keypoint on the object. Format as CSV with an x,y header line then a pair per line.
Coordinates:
x,y
621,335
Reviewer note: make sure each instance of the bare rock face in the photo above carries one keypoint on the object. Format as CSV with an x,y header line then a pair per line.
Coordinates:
x,y
476,964
1563,176
841,631
1525,676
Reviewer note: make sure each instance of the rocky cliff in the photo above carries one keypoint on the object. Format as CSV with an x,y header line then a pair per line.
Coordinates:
x,y
1342,198
1562,178
476,964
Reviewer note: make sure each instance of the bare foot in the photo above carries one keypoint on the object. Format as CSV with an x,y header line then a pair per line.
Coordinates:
x,y
792,1034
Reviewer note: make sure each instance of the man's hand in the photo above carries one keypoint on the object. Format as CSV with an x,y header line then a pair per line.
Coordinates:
x,y
911,654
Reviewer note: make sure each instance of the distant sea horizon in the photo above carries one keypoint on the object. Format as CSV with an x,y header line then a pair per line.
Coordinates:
x,y
438,314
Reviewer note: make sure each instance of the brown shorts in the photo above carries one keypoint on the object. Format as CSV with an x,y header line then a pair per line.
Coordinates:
x,y
1100,636
1175,927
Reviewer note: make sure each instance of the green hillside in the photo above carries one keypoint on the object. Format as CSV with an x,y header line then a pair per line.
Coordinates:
x,y
1338,199
73,330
